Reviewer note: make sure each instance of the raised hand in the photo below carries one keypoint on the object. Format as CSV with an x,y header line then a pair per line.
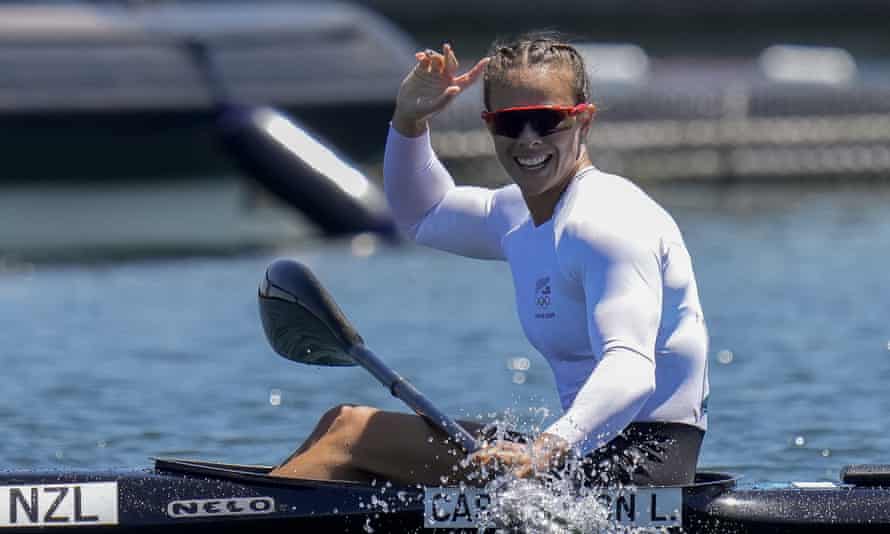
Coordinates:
x,y
430,86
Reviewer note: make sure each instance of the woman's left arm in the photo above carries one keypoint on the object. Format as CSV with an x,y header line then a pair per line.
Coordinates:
x,y
623,294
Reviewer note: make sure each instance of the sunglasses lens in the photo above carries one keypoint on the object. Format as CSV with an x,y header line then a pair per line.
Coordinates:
x,y
543,121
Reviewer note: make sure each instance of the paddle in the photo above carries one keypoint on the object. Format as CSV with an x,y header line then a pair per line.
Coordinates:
x,y
290,162
304,324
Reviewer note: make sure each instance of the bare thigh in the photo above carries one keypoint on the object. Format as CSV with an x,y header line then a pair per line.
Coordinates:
x,y
363,443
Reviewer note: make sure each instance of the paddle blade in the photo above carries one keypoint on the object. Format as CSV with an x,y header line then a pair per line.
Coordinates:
x,y
301,320
289,161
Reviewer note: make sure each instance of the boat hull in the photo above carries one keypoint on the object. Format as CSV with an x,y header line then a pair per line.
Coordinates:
x,y
190,496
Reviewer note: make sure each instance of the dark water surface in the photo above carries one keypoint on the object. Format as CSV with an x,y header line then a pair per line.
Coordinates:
x,y
104,365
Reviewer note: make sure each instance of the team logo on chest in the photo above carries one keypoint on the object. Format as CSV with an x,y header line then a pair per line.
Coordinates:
x,y
543,298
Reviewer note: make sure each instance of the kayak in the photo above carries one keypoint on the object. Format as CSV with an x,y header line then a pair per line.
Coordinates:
x,y
194,496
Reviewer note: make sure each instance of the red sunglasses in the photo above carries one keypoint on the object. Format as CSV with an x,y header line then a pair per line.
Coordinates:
x,y
546,119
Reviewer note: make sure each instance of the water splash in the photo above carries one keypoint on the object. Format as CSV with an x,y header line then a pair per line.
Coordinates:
x,y
553,502
557,503
545,507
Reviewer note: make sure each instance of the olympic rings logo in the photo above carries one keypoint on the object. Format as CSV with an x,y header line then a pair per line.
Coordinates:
x,y
543,301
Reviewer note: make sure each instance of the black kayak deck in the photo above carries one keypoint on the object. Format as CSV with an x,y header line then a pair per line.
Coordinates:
x,y
198,496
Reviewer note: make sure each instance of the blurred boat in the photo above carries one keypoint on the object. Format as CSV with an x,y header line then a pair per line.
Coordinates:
x,y
105,88
120,142
109,90
90,220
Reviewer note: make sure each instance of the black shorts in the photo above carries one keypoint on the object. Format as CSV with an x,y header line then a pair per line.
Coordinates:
x,y
643,454
646,454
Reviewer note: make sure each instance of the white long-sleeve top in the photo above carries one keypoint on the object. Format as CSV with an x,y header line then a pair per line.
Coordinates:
x,y
604,289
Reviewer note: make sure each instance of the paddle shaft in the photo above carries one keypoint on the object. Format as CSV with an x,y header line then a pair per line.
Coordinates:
x,y
408,394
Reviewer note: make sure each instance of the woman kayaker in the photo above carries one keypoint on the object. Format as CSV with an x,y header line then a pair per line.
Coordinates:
x,y
603,281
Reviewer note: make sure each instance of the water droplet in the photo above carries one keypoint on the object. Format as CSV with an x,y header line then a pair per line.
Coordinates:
x,y
725,356
800,441
519,377
519,363
101,444
826,453
275,397
59,455
336,510
363,245
540,411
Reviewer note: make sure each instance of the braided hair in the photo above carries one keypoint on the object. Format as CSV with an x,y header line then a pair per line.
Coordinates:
x,y
535,49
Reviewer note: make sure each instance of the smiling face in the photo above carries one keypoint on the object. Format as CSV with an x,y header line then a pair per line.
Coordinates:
x,y
540,165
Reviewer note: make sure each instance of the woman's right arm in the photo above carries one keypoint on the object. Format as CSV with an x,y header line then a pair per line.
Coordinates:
x,y
428,207
421,193
414,179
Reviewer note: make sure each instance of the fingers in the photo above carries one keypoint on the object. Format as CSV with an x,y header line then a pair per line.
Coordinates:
x,y
437,63
502,455
424,61
451,62
470,77
447,63
431,61
524,471
432,85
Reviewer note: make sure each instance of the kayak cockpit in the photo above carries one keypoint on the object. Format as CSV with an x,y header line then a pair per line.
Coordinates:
x,y
247,473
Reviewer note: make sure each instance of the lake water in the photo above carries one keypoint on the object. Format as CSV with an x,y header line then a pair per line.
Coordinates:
x,y
107,364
